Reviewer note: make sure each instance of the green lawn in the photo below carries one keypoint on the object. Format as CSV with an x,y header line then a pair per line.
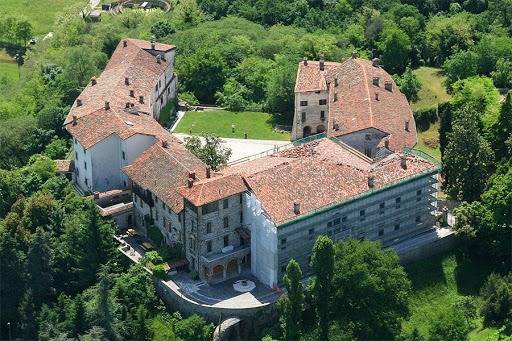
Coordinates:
x,y
428,141
40,13
8,72
432,88
437,283
257,125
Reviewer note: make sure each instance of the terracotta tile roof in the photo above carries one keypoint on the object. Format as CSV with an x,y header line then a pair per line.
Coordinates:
x,y
100,124
163,170
213,189
65,166
311,78
360,104
134,62
320,174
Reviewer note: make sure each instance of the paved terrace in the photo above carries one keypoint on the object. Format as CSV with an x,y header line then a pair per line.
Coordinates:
x,y
221,295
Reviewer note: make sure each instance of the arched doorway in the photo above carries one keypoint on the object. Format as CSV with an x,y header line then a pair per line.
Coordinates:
x,y
320,129
306,131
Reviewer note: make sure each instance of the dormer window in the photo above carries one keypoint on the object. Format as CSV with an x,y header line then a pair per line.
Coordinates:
x,y
335,81
335,97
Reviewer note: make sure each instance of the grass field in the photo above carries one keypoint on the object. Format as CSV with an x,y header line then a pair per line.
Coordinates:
x,y
8,71
40,13
257,125
437,283
432,88
432,92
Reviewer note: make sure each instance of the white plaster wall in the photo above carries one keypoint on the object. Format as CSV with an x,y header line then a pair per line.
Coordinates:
x,y
106,164
81,156
132,147
263,241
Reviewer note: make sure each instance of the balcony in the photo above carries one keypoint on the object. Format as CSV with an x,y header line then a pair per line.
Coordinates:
x,y
237,252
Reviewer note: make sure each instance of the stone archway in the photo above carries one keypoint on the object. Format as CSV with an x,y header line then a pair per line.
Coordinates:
x,y
232,265
306,131
217,269
320,129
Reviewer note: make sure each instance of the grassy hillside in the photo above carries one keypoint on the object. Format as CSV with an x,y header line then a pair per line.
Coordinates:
x,y
432,88
437,284
40,13
257,125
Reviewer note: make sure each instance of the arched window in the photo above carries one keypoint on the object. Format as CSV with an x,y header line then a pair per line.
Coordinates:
x,y
306,131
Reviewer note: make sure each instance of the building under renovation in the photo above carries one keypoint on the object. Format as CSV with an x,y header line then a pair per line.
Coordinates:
x,y
354,177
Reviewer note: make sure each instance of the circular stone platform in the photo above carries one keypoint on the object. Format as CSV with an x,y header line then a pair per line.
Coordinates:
x,y
244,285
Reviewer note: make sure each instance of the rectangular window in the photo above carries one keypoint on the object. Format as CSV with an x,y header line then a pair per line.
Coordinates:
x,y
156,215
85,165
303,117
397,202
418,219
124,156
226,222
381,232
362,215
418,195
344,219
225,203
336,221
303,103
241,198
241,217
86,182
209,246
211,207
208,227
226,241
163,205
397,226
322,115
329,224
76,156
311,231
322,102
283,241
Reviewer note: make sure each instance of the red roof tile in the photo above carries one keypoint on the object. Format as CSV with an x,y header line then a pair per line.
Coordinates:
x,y
310,77
164,170
213,189
133,62
360,104
65,166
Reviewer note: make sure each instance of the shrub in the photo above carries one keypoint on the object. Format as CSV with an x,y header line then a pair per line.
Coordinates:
x,y
497,295
424,117
158,271
155,235
189,98
171,253
153,257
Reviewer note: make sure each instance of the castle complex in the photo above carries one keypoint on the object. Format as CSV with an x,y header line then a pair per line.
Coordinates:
x,y
354,177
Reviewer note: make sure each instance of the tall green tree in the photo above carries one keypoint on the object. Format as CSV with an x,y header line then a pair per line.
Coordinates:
x,y
395,47
370,290
211,151
78,319
502,130
409,84
105,314
28,316
292,304
468,157
497,295
322,261
38,270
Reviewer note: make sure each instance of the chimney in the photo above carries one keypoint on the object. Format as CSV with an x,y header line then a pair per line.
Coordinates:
x,y
159,59
371,181
305,61
376,96
165,144
125,43
78,102
354,54
126,81
322,63
375,62
107,105
190,182
152,44
74,120
376,81
96,195
141,99
403,161
386,143
127,105
192,175
132,93
296,208
208,171
388,86
406,125
93,81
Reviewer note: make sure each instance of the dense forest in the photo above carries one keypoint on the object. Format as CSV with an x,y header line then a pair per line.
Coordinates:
x,y
61,277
